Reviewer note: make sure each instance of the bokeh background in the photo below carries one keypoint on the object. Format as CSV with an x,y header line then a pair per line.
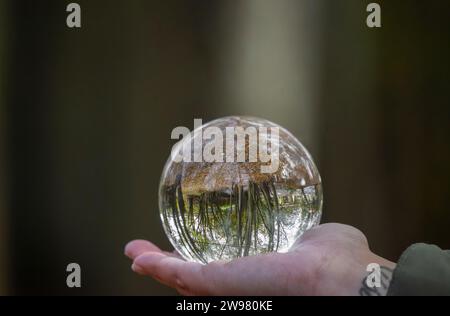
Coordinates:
x,y
86,116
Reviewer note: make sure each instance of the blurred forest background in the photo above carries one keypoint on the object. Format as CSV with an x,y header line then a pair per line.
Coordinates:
x,y
86,116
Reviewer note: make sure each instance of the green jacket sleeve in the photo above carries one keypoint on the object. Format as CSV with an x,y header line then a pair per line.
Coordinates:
x,y
422,270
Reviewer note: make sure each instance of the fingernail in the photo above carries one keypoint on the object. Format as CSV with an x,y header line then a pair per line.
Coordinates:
x,y
126,249
137,268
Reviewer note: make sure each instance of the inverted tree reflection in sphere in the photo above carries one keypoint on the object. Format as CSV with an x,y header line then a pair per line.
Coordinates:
x,y
231,206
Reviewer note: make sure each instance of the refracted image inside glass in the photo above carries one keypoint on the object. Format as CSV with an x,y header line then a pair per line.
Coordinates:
x,y
224,210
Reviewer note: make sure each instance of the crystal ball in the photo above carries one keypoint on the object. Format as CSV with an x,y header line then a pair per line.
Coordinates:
x,y
238,186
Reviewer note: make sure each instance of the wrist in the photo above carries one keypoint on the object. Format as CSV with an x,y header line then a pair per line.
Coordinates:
x,y
376,277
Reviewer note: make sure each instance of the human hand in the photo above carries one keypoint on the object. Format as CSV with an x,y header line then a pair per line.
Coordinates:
x,y
330,259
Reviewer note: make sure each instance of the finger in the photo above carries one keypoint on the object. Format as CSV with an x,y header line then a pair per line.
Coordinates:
x,y
187,277
258,275
137,247
174,253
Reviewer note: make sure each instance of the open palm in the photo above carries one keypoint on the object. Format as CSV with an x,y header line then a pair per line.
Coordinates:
x,y
330,259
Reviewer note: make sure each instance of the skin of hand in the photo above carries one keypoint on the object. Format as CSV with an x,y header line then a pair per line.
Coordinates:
x,y
330,259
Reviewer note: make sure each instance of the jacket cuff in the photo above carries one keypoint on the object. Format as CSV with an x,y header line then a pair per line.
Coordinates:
x,y
421,270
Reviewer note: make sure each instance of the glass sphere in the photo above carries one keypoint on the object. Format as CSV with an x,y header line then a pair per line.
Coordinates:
x,y
238,186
